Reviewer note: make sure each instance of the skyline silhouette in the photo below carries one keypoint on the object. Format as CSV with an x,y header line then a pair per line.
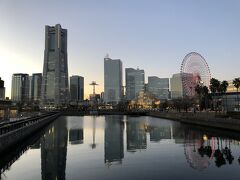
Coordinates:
x,y
153,35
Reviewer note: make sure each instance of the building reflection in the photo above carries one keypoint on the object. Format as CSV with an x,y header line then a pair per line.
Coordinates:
x,y
93,145
76,136
159,133
136,134
54,150
200,149
178,133
113,143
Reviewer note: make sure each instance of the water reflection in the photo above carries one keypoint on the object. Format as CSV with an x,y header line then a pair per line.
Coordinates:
x,y
93,145
136,134
76,133
192,144
201,148
117,137
54,150
113,140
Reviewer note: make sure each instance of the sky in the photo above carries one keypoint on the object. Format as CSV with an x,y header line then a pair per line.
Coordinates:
x,y
154,35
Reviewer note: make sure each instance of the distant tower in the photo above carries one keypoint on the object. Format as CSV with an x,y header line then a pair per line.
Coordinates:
x,y
112,80
55,90
93,83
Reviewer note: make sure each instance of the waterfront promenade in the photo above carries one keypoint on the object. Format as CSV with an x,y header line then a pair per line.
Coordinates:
x,y
12,133
210,119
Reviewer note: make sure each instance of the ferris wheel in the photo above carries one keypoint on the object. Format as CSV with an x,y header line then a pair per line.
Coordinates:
x,y
194,71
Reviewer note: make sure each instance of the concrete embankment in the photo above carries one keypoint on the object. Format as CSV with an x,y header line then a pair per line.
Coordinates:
x,y
14,133
201,118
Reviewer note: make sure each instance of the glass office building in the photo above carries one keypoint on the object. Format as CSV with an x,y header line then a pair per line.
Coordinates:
x,y
35,82
113,90
159,87
77,88
135,82
55,90
20,88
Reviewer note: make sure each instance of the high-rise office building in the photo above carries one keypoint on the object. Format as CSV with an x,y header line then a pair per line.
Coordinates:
x,y
176,86
159,87
77,88
135,82
20,87
112,80
55,90
35,83
2,90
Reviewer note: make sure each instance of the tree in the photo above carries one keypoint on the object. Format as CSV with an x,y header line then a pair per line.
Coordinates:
x,y
236,83
214,87
223,88
202,92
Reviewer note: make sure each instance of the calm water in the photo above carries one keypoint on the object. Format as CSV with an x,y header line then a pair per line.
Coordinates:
x,y
124,147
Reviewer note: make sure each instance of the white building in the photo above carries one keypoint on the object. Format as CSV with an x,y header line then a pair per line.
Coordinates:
x,y
176,86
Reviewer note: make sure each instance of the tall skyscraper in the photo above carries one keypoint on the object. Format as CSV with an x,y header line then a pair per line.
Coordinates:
x,y
135,81
20,87
2,90
77,88
35,83
112,80
159,87
55,90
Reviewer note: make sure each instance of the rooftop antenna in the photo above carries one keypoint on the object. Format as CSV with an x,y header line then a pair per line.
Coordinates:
x,y
107,56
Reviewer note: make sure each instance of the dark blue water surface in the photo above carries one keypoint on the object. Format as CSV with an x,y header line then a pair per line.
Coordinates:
x,y
124,147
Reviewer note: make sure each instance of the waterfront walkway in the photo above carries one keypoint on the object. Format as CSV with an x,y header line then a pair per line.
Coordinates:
x,y
12,133
210,119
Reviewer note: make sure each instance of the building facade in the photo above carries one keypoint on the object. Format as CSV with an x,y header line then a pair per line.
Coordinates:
x,y
2,90
229,101
176,86
55,90
113,90
20,88
135,81
159,87
35,83
77,88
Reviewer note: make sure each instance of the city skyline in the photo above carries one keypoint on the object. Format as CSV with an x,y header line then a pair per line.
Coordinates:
x,y
143,34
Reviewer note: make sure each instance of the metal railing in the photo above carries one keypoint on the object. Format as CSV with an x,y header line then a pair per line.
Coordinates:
x,y
7,127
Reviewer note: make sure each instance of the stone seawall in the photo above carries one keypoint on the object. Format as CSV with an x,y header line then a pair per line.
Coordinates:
x,y
201,118
14,137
